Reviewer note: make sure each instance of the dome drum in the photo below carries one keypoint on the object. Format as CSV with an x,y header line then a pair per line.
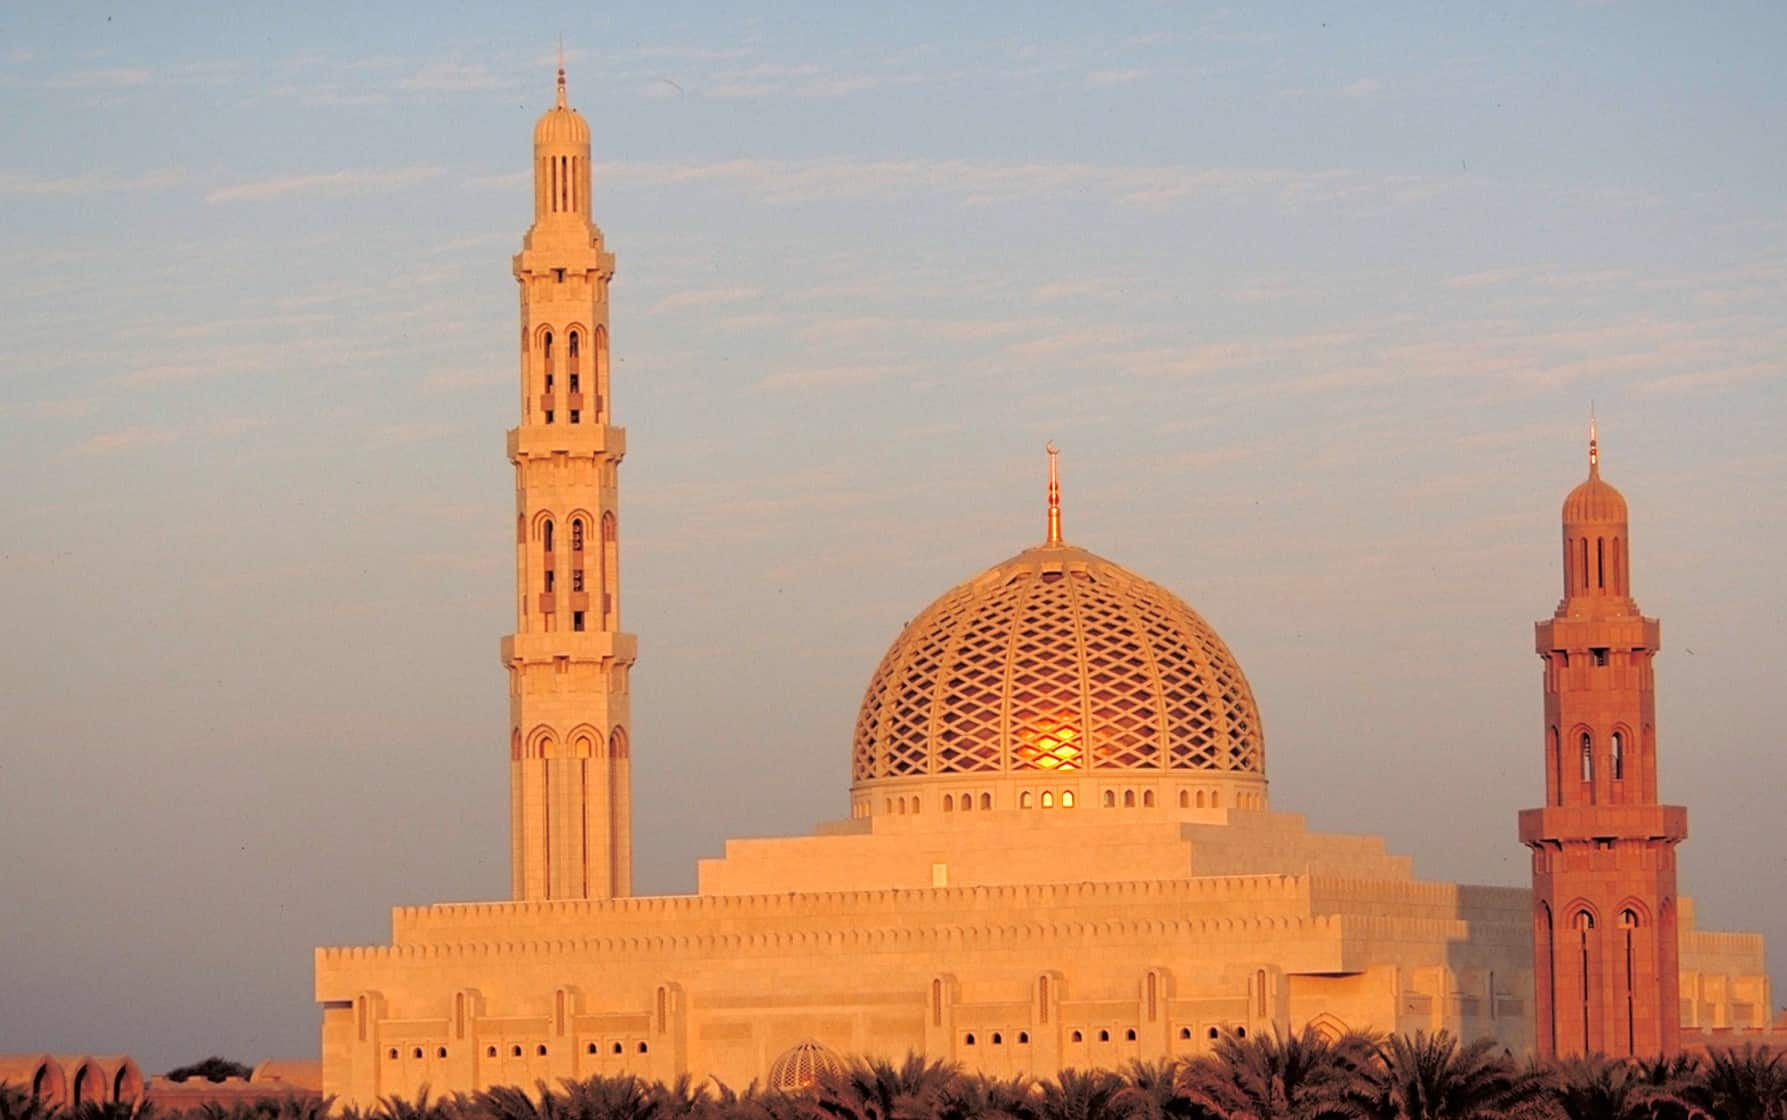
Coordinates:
x,y
1205,794
1056,663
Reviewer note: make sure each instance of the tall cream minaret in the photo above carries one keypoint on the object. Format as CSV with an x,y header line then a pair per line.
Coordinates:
x,y
570,822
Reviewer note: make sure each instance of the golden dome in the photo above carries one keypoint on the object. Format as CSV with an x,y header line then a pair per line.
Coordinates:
x,y
1057,660
561,124
1594,502
798,1067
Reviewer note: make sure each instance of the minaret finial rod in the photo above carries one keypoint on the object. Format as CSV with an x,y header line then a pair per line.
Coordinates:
x,y
1054,495
1594,443
561,71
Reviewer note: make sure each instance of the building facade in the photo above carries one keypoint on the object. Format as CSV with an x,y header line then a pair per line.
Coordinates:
x,y
1059,849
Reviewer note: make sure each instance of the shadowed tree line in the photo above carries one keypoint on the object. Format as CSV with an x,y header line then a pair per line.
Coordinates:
x,y
1294,1077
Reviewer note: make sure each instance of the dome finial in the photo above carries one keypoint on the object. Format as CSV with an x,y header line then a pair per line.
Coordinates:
x,y
1594,444
1054,494
561,70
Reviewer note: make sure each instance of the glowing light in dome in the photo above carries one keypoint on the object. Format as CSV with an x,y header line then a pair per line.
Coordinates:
x,y
1051,747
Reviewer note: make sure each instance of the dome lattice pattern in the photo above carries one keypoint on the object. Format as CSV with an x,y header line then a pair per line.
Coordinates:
x,y
799,1066
1056,660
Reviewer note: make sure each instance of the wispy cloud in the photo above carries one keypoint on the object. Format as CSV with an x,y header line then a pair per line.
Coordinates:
x,y
1102,78
407,434
830,377
984,183
124,439
324,183
702,297
452,77
89,182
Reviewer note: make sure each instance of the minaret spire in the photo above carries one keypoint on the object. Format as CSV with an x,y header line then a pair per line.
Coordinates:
x,y
1054,495
561,72
1594,444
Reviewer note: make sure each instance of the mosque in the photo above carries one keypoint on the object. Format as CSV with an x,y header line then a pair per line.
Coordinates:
x,y
1060,849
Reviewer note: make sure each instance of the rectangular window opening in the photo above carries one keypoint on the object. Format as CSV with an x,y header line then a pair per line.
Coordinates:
x,y
549,580
1600,656
575,416
577,620
549,416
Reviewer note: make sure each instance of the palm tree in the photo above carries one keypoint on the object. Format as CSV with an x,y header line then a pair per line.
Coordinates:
x,y
1670,1084
21,1104
1090,1095
878,1090
1747,1084
979,1097
1153,1090
1432,1077
1281,1077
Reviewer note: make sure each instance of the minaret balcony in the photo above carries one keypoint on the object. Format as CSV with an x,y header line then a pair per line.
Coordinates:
x,y
539,441
587,645
1629,632
1582,823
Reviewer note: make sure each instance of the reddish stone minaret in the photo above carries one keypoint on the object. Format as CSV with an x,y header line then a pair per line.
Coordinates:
x,y
1604,913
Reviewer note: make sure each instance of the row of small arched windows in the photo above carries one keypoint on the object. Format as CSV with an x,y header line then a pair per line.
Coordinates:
x,y
966,803
573,373
1585,751
997,1038
1605,573
516,1051
579,582
1050,799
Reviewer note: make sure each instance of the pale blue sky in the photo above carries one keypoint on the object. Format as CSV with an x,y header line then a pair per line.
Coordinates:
x,y
1314,299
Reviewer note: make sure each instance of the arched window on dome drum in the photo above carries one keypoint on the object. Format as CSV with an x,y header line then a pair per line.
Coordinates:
x,y
967,803
1619,573
949,803
1067,799
1147,799
1110,799
1024,800
1600,563
1618,757
1129,799
1048,799
1583,584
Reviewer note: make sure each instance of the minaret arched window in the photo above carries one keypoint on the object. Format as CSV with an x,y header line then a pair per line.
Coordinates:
x,y
1585,927
1618,744
577,569
575,386
1628,924
1588,757
548,582
546,359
